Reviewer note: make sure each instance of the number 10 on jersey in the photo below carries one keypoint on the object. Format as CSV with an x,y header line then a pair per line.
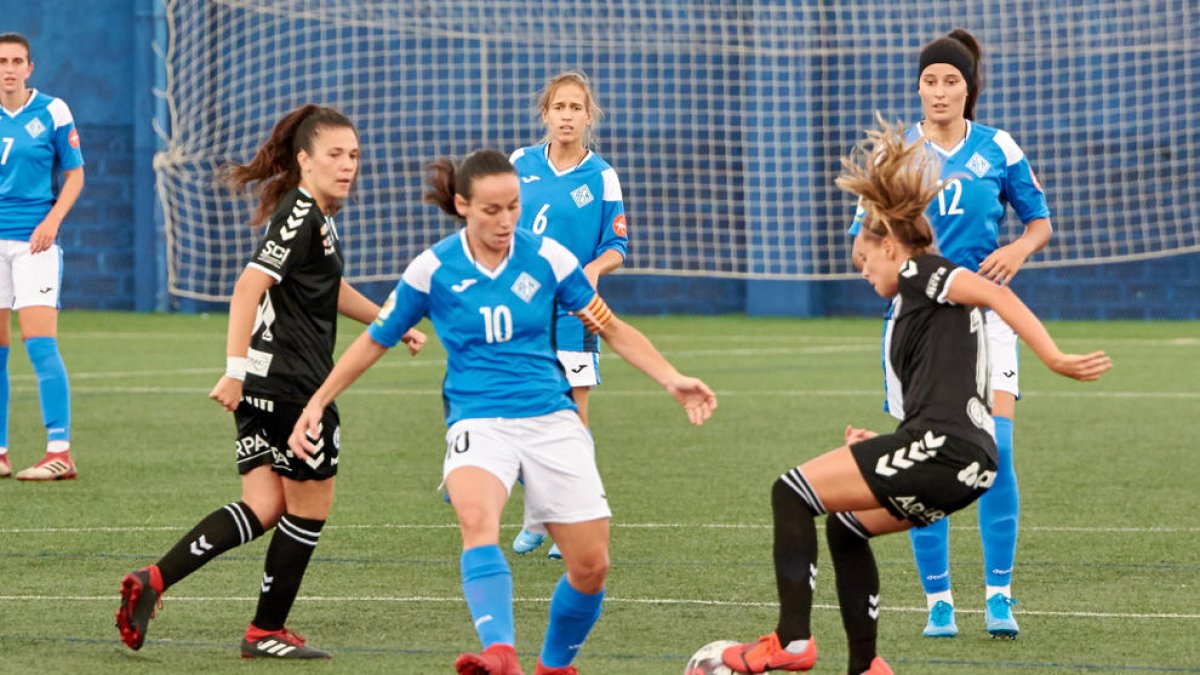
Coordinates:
x,y
497,323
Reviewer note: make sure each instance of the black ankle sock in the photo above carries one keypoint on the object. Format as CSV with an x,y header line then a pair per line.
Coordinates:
x,y
229,526
857,580
291,548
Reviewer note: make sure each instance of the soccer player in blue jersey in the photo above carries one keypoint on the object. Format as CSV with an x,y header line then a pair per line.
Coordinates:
x,y
491,290
282,331
983,172
940,458
570,194
38,139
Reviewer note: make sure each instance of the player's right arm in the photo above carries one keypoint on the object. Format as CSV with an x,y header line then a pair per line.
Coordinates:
x,y
243,307
358,358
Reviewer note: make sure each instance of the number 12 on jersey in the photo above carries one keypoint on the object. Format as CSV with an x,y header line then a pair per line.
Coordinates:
x,y
497,323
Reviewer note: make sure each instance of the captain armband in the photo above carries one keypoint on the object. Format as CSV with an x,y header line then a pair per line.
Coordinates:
x,y
596,315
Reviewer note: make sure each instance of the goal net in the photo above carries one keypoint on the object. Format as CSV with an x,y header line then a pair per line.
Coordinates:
x,y
725,120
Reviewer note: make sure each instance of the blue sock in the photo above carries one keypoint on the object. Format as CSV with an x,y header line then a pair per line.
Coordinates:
x,y
4,396
53,391
999,512
931,548
488,588
572,615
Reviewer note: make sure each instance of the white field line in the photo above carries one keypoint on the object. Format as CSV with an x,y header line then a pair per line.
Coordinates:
x,y
625,393
616,526
417,599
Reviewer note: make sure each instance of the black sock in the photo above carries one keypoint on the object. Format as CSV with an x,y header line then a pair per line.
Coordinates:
x,y
291,547
229,526
857,580
794,505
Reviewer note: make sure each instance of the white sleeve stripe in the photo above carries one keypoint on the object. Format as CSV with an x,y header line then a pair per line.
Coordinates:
x,y
60,112
266,270
562,261
516,154
612,186
943,297
1012,151
419,273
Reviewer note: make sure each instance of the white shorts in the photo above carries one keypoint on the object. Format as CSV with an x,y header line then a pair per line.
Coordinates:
x,y
554,454
1002,350
26,279
582,368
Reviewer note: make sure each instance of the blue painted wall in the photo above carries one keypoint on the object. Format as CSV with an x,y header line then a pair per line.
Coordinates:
x,y
97,56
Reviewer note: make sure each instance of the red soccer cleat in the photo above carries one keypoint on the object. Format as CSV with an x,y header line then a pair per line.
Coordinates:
x,y
54,466
767,654
543,669
498,659
140,597
878,667
278,644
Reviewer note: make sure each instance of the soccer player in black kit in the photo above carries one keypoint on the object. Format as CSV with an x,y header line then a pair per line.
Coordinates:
x,y
282,331
943,454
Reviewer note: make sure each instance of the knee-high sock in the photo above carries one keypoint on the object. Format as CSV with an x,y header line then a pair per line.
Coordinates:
x,y
229,526
572,615
931,549
53,389
291,548
857,580
488,589
999,512
4,396
794,504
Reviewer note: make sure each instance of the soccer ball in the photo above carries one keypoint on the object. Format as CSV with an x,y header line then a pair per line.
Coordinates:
x,y
707,660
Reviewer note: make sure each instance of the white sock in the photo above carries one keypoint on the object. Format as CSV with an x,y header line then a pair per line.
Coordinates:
x,y
796,646
58,446
941,596
1006,591
3,452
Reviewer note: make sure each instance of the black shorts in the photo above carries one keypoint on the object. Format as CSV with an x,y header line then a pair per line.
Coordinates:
x,y
263,427
924,476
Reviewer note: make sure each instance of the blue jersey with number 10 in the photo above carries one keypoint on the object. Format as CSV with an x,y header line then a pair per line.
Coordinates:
x,y
980,176
580,208
494,324
33,139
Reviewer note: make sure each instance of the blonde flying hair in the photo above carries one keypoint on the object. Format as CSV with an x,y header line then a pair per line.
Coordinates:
x,y
896,181
580,80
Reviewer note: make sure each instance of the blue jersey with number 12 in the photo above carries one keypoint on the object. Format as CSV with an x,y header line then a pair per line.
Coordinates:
x,y
980,176
580,208
494,324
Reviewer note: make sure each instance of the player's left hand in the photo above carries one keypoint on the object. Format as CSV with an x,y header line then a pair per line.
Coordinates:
x,y
414,340
696,398
856,435
1084,367
1004,263
43,236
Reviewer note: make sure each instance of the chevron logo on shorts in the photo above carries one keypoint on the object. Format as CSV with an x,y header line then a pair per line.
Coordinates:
x,y
904,458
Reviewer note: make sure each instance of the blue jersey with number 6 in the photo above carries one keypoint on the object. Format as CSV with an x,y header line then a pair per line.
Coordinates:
x,y
980,176
494,324
581,208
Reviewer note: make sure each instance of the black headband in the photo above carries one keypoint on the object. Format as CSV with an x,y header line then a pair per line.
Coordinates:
x,y
951,51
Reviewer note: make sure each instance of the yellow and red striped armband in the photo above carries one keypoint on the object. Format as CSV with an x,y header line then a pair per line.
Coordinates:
x,y
596,315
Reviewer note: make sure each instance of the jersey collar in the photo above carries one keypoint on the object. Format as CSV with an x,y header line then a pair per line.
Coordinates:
x,y
939,149
491,274
18,111
554,169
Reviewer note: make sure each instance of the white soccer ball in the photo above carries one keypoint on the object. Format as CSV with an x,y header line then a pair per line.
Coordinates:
x,y
707,659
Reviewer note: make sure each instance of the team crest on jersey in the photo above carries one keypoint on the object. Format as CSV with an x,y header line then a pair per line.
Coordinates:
x,y
35,128
582,196
525,287
978,165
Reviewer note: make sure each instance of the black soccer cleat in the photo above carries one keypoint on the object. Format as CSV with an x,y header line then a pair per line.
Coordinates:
x,y
141,593
278,644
